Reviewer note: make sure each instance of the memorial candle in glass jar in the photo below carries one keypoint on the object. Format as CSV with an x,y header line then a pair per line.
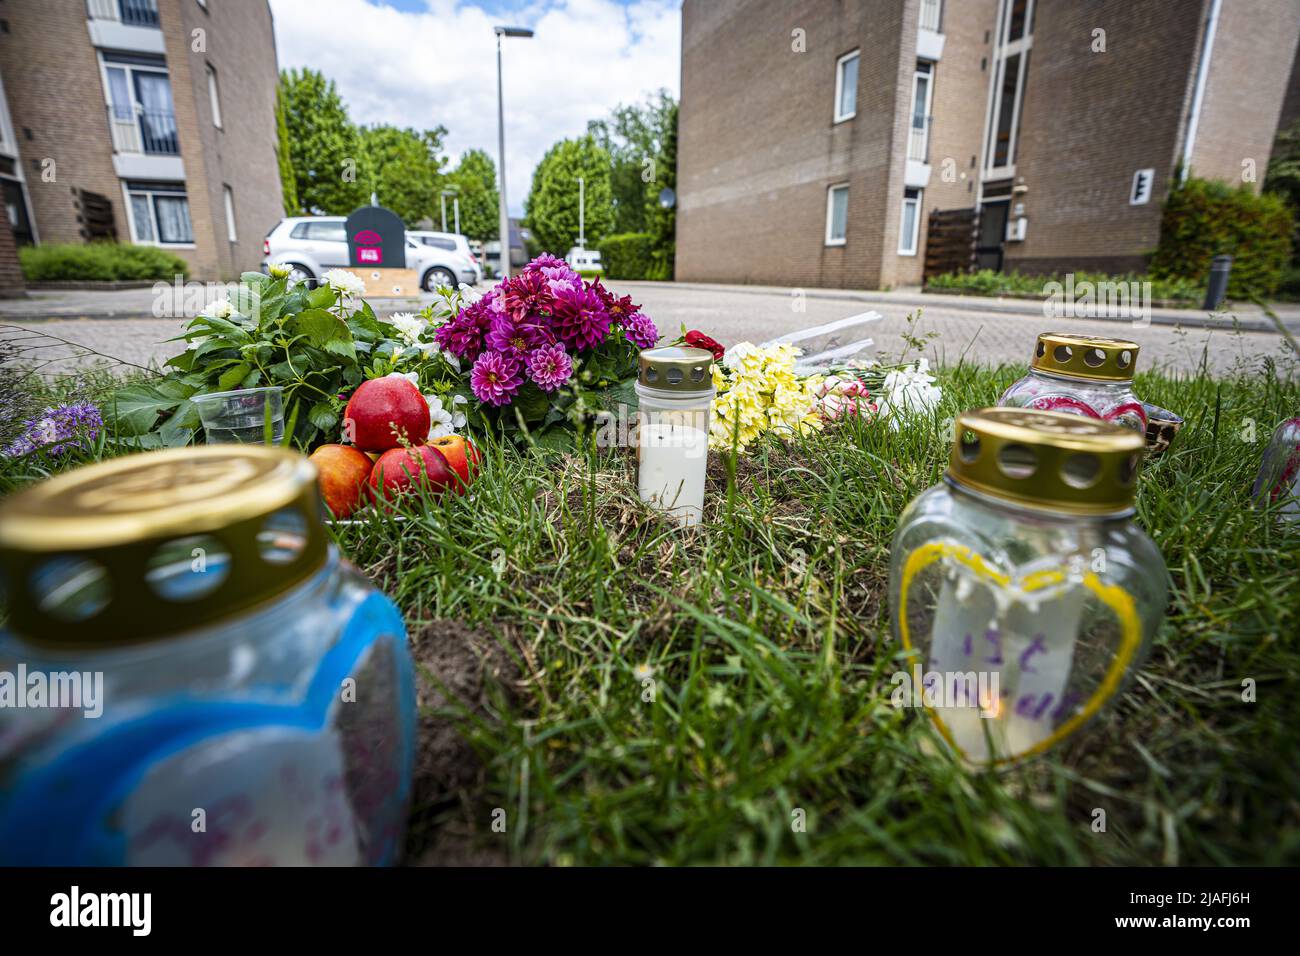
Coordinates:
x,y
1020,585
674,392
1081,375
1278,482
220,686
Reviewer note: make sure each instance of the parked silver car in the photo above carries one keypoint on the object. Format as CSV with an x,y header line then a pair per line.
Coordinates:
x,y
449,242
312,245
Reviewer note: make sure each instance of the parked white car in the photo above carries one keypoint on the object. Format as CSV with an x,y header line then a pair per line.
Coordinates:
x,y
449,242
311,245
584,260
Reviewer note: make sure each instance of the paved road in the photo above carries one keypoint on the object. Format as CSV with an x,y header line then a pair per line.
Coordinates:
x,y
982,330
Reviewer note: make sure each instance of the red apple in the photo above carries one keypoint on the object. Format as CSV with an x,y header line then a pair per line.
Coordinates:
x,y
341,471
461,454
384,411
402,471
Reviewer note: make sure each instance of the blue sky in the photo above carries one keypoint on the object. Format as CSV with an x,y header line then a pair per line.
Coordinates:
x,y
422,63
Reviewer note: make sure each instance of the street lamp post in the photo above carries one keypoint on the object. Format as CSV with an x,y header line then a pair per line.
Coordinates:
x,y
501,148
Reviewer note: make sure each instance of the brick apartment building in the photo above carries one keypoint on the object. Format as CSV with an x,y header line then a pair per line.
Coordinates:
x,y
146,121
818,137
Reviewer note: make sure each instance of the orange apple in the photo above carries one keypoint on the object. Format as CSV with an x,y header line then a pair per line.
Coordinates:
x,y
402,471
341,471
464,458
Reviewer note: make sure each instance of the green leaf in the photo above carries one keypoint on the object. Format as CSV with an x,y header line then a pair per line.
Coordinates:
x,y
232,376
320,327
347,349
184,361
253,278
323,415
135,409
321,297
532,403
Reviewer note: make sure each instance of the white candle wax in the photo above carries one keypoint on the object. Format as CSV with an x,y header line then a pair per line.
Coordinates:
x,y
670,475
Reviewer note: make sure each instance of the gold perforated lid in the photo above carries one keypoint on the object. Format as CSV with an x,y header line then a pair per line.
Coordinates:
x,y
1085,356
676,368
1047,460
152,544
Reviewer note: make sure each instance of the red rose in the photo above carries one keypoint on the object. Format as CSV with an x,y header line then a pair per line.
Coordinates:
x,y
698,340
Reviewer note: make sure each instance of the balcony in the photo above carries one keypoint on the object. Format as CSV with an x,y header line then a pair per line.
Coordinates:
x,y
929,34
124,25
145,143
918,141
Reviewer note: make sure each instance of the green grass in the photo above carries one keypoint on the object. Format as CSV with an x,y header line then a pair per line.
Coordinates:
x,y
989,282
768,635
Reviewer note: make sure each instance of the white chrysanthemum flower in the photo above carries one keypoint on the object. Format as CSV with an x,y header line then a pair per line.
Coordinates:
x,y
469,295
279,272
220,309
412,377
408,326
441,420
348,283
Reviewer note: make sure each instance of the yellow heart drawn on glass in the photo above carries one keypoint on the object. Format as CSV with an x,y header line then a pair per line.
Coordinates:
x,y
1112,596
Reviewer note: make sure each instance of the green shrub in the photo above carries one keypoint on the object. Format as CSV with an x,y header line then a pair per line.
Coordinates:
x,y
626,256
988,282
99,261
1203,218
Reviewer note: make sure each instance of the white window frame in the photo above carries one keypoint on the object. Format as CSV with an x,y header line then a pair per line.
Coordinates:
x,y
916,225
127,193
856,56
917,73
1001,54
228,197
214,94
830,214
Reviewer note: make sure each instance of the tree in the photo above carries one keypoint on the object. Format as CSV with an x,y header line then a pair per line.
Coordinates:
x,y
288,183
405,169
551,211
1283,178
661,221
324,147
634,136
475,178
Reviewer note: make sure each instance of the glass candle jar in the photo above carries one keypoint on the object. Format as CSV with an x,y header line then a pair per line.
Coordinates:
x,y
674,393
1278,483
1021,585
1081,375
194,676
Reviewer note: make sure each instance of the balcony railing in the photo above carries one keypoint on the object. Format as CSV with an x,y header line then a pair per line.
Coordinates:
x,y
152,132
134,13
918,143
932,15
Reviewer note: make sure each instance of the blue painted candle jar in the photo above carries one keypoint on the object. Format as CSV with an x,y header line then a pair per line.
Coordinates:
x,y
192,675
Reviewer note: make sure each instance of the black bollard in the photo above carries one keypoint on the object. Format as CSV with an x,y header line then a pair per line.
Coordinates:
x,y
1217,290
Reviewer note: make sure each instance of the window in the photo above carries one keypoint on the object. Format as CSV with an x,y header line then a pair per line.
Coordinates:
x,y
229,196
439,243
846,86
918,143
908,229
837,214
214,96
1010,73
138,92
160,214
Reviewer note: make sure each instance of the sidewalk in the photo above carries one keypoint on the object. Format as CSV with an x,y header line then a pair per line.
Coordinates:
x,y
1248,316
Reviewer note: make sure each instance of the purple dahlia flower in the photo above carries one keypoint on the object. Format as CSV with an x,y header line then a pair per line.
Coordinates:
x,y
507,335
495,378
462,335
639,330
550,367
547,261
579,318
527,293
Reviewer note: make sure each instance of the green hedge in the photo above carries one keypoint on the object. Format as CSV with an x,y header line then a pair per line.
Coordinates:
x,y
1203,218
988,282
626,256
99,261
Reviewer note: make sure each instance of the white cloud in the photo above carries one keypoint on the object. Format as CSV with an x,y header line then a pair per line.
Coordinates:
x,y
439,66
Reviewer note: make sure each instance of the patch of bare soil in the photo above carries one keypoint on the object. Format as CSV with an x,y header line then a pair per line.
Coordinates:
x,y
449,823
